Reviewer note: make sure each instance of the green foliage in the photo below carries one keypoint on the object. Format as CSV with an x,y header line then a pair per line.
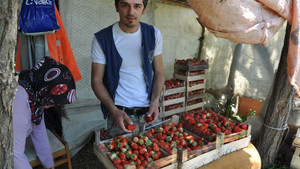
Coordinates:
x,y
278,164
232,112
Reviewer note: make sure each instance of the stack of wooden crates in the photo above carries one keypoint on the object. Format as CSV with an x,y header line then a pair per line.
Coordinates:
x,y
190,95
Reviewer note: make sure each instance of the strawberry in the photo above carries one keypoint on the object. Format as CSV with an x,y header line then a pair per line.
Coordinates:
x,y
217,130
237,129
117,161
118,166
227,132
122,156
141,157
148,118
144,163
138,162
244,126
146,155
133,157
134,146
155,156
155,147
141,142
131,127
159,136
128,153
142,150
135,139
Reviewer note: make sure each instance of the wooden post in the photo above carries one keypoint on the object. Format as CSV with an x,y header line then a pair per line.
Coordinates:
x,y
278,109
182,157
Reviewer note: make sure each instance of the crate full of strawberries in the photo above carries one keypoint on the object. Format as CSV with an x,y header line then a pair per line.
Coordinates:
x,y
132,151
207,123
173,97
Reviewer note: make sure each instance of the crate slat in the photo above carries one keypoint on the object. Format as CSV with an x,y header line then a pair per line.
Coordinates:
x,y
172,112
194,106
167,92
189,78
195,87
173,101
235,145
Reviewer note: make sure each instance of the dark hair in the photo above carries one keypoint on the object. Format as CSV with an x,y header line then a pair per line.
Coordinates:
x,y
145,2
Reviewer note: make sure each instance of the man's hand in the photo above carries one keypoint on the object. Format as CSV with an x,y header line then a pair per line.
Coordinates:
x,y
153,111
120,116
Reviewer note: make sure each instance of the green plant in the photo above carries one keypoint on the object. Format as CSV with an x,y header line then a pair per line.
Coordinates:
x,y
232,112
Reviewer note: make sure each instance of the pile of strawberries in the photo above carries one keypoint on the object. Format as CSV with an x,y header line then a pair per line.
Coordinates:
x,y
196,82
196,92
208,123
173,83
194,102
174,96
170,136
138,151
191,73
173,106
193,61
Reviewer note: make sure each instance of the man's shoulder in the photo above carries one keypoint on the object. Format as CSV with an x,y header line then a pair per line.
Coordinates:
x,y
146,25
104,32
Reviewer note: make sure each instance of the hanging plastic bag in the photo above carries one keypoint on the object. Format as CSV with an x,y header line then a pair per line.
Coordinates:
x,y
38,17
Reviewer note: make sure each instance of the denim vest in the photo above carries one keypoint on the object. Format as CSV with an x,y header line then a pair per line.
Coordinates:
x,y
114,60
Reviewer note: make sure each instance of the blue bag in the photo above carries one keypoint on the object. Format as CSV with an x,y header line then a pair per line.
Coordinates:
x,y
38,17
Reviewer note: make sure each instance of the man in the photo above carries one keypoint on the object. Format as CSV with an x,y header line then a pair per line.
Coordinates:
x,y
127,70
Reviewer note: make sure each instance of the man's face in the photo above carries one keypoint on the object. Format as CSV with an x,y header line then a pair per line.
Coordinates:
x,y
130,12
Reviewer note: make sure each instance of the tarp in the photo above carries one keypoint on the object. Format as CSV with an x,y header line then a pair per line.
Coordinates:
x,y
253,22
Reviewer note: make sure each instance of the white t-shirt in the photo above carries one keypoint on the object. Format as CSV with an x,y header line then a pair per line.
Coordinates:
x,y
132,89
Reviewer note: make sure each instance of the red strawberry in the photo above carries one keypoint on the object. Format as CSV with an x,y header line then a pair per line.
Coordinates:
x,y
117,161
143,150
134,146
244,126
237,129
133,157
122,155
227,132
155,147
144,163
118,166
131,127
148,118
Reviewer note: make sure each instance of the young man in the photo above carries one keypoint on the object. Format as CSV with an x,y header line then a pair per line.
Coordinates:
x,y
127,70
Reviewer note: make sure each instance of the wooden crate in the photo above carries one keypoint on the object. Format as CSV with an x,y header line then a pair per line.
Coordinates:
x,y
166,162
189,67
236,141
295,163
164,103
186,160
199,158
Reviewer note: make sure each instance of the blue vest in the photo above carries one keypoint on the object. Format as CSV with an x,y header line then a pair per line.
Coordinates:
x,y
114,60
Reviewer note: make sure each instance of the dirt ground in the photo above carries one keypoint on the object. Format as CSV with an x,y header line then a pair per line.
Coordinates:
x,y
85,159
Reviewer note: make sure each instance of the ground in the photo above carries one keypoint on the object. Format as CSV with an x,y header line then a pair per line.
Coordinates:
x,y
85,159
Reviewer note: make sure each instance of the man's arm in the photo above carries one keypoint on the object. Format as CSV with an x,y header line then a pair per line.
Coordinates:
x,y
103,95
158,83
